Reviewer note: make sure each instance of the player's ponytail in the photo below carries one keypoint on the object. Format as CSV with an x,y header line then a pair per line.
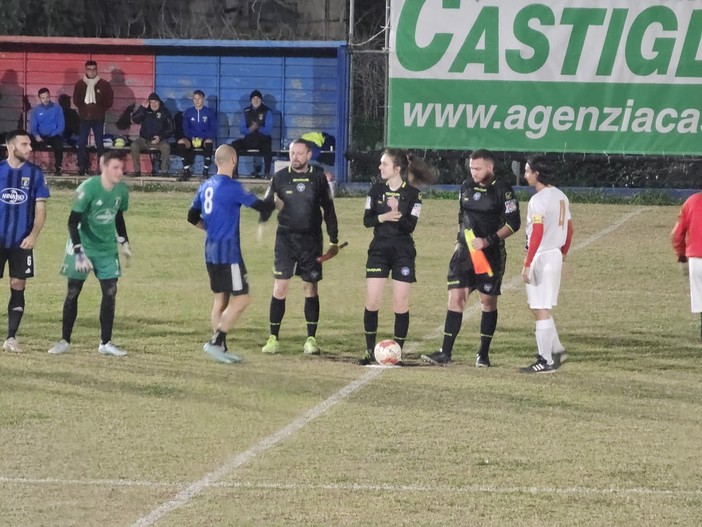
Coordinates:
x,y
420,172
416,170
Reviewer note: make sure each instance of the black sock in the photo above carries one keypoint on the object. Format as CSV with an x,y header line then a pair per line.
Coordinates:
x,y
312,314
70,308
276,314
107,309
452,326
15,310
207,151
401,327
219,338
488,323
370,326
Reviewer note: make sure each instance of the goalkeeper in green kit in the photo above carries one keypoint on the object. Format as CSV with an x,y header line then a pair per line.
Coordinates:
x,y
97,235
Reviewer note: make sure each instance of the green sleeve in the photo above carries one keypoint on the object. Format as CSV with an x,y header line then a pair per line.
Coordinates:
x,y
84,196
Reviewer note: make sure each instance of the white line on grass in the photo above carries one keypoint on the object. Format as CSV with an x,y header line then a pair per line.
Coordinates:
x,y
366,487
214,477
184,496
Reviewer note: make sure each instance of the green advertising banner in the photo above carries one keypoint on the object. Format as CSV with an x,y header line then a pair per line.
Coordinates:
x,y
614,76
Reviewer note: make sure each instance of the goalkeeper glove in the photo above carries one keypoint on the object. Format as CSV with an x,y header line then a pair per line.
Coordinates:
x,y
83,263
125,250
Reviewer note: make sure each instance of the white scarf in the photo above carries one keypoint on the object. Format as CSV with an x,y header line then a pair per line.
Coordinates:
x,y
90,91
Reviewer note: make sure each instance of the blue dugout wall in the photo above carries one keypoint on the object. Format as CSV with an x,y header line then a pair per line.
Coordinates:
x,y
304,83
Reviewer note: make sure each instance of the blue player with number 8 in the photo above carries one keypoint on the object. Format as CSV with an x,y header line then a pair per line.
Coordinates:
x,y
216,210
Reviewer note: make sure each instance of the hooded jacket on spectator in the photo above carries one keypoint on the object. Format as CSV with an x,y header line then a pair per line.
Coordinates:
x,y
159,122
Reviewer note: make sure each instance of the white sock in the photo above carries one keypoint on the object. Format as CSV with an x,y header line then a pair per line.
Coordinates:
x,y
545,332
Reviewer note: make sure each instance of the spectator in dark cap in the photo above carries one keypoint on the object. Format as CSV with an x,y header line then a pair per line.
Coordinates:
x,y
256,127
156,129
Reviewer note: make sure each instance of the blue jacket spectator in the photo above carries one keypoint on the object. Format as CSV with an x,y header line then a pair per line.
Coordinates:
x,y
200,122
258,113
47,119
256,127
199,132
46,126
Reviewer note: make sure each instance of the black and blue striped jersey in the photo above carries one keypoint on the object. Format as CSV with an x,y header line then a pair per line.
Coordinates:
x,y
20,189
219,201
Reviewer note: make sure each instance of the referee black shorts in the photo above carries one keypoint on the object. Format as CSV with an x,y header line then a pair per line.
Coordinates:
x,y
392,255
228,278
21,262
462,275
296,255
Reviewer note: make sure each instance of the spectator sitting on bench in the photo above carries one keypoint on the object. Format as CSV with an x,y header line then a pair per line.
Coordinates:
x,y
46,125
199,131
256,127
156,129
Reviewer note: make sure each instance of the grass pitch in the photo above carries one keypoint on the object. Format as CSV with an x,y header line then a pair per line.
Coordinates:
x,y
167,437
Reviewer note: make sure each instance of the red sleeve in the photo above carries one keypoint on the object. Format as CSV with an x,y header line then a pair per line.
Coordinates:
x,y
569,238
680,233
537,235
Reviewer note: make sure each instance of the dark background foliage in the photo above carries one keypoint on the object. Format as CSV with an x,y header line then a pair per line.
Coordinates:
x,y
322,20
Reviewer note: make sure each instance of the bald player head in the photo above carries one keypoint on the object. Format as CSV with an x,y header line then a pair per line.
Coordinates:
x,y
226,160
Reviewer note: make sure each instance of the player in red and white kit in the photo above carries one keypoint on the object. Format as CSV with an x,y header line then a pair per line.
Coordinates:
x,y
687,242
549,233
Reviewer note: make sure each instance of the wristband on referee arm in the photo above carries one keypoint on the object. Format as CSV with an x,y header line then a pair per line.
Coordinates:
x,y
493,239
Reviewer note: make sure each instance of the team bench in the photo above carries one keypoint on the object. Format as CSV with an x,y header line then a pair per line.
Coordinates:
x,y
326,157
150,151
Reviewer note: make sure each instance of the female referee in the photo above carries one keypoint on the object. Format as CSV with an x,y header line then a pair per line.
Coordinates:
x,y
393,206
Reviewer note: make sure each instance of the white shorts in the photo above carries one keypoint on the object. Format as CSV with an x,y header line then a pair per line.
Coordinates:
x,y
545,278
695,267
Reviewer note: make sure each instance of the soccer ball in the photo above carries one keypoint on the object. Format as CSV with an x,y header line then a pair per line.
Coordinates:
x,y
387,352
197,142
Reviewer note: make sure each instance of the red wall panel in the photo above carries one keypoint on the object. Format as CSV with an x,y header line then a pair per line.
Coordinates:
x,y
12,65
22,74
131,77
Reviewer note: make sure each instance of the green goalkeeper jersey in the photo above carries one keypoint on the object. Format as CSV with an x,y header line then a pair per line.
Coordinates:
x,y
99,208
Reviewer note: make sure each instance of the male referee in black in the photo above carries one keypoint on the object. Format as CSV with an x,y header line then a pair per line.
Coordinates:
x,y
489,213
304,193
